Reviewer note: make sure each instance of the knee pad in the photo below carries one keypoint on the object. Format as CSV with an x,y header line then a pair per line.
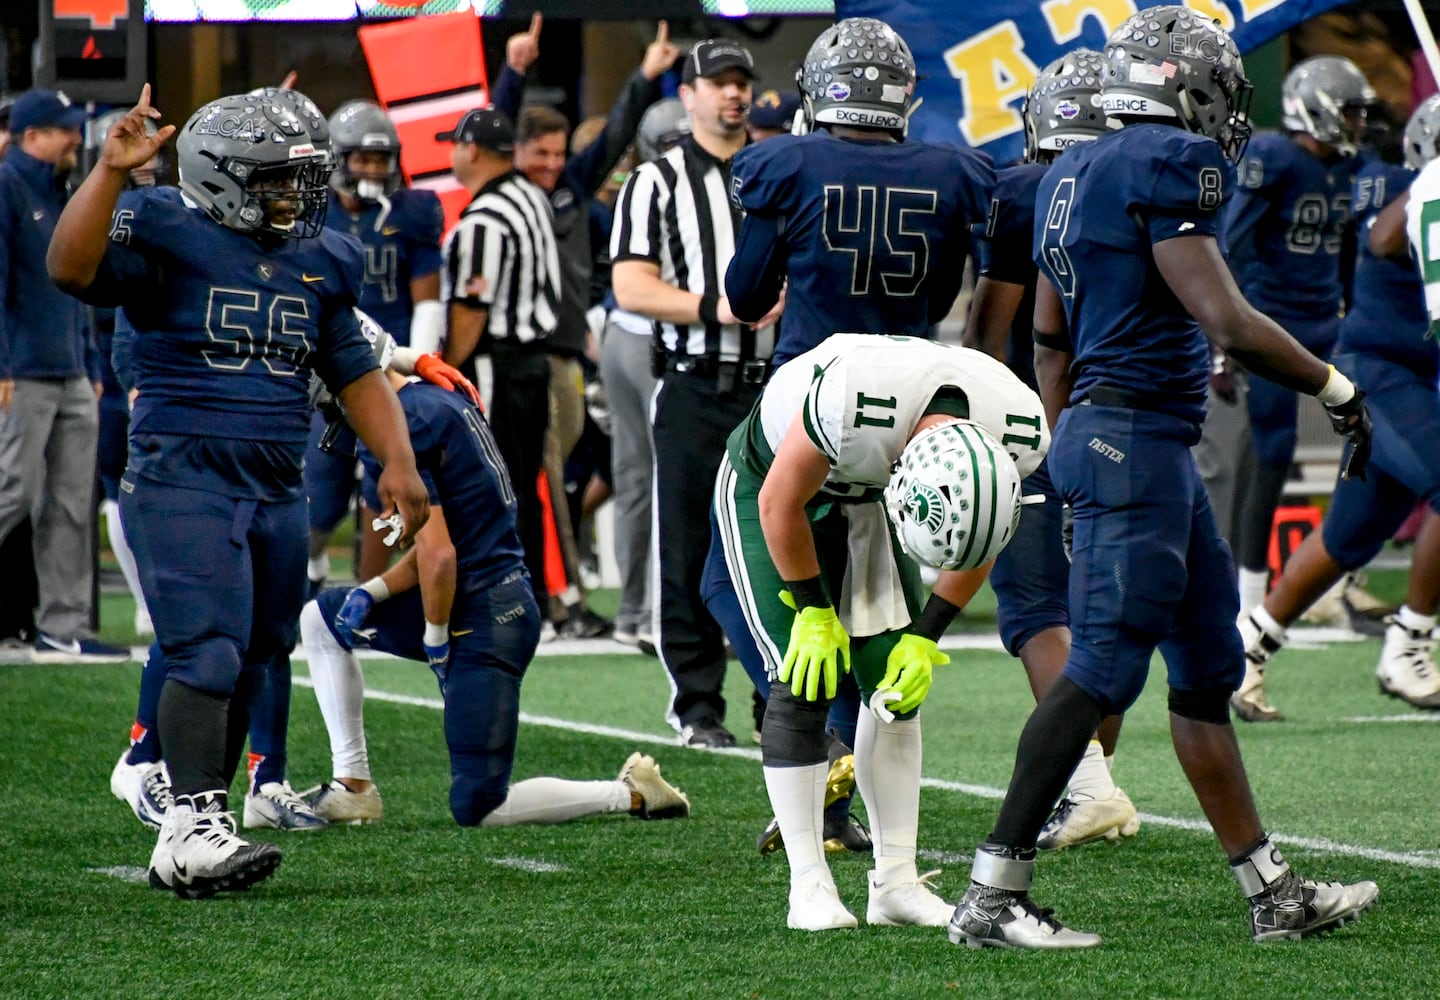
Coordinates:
x,y
794,729
212,665
1210,705
472,799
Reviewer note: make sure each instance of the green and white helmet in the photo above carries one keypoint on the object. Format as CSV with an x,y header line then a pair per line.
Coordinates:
x,y
1422,134
954,496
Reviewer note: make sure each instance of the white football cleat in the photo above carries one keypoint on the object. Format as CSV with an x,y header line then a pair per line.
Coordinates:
x,y
335,803
906,901
658,798
1081,821
198,853
1406,669
1292,907
145,788
815,906
276,806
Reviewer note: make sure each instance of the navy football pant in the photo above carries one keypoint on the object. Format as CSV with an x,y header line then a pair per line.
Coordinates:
x,y
224,578
1031,577
493,635
1404,461
329,481
1150,570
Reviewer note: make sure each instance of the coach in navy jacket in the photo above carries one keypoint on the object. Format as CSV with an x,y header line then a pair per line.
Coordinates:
x,y
49,380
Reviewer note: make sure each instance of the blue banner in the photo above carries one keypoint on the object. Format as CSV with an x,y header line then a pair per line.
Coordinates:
x,y
977,58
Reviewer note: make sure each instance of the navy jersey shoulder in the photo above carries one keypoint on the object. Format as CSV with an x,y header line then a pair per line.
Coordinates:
x,y
1285,229
399,243
1003,245
1099,210
1387,310
227,331
872,231
457,457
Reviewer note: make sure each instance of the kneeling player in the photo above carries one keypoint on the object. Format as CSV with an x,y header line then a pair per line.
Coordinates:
x,y
461,600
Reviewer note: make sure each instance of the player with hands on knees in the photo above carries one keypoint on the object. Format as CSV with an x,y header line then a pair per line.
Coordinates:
x,y
213,488
865,455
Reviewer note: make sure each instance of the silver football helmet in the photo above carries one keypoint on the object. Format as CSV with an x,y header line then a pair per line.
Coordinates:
x,y
1174,64
252,166
663,125
860,73
1063,107
363,126
1422,133
1329,99
304,109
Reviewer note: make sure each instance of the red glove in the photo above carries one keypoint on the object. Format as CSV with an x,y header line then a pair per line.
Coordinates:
x,y
434,370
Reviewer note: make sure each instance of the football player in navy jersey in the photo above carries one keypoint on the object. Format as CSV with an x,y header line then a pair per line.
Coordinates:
x,y
1284,231
1031,576
1384,340
870,230
399,229
236,294
460,600
1125,231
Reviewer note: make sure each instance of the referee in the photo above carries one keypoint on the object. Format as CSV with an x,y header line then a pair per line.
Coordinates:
x,y
501,281
673,238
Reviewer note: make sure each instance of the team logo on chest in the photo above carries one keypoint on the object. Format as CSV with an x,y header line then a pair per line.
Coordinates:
x,y
265,270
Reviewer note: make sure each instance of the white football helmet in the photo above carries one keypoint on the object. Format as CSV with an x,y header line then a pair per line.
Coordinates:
x,y
954,496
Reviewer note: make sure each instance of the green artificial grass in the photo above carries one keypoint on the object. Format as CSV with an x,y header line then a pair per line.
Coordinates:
x,y
615,907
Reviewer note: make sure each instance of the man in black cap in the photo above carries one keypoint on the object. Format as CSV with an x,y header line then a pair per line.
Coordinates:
x,y
674,236
49,384
501,287
773,114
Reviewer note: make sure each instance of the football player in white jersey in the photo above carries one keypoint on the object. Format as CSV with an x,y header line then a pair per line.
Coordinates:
x,y
936,436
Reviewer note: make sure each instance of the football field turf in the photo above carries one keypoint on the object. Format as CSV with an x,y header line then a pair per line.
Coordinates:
x,y
615,907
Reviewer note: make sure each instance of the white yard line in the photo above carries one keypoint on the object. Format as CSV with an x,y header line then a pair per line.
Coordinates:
x,y
1418,859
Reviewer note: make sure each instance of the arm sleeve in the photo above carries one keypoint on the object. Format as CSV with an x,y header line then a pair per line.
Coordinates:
x,y
429,223
636,232
122,351
1192,182
508,92
586,170
757,270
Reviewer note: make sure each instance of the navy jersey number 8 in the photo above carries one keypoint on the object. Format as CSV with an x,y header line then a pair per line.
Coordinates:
x,y
850,217
1057,223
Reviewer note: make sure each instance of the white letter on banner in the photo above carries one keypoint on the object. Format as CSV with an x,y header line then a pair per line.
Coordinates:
x,y
1067,17
993,71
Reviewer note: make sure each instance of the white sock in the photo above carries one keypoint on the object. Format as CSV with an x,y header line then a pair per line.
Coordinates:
x,y
340,690
1110,763
121,547
1091,780
797,794
555,800
1253,583
887,772
1268,624
1415,621
317,570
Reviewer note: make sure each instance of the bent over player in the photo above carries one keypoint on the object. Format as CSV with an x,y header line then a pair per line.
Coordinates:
x,y
800,509
236,295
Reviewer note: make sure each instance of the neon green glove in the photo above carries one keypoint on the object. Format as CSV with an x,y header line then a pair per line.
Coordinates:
x,y
817,644
908,671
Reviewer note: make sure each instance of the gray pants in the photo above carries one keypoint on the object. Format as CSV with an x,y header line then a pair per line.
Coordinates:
x,y
47,469
1221,457
629,388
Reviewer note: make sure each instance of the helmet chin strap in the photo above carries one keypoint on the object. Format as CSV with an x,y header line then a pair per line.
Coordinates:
x,y
381,200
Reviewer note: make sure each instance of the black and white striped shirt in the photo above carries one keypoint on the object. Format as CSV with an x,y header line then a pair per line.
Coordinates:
x,y
501,256
676,213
